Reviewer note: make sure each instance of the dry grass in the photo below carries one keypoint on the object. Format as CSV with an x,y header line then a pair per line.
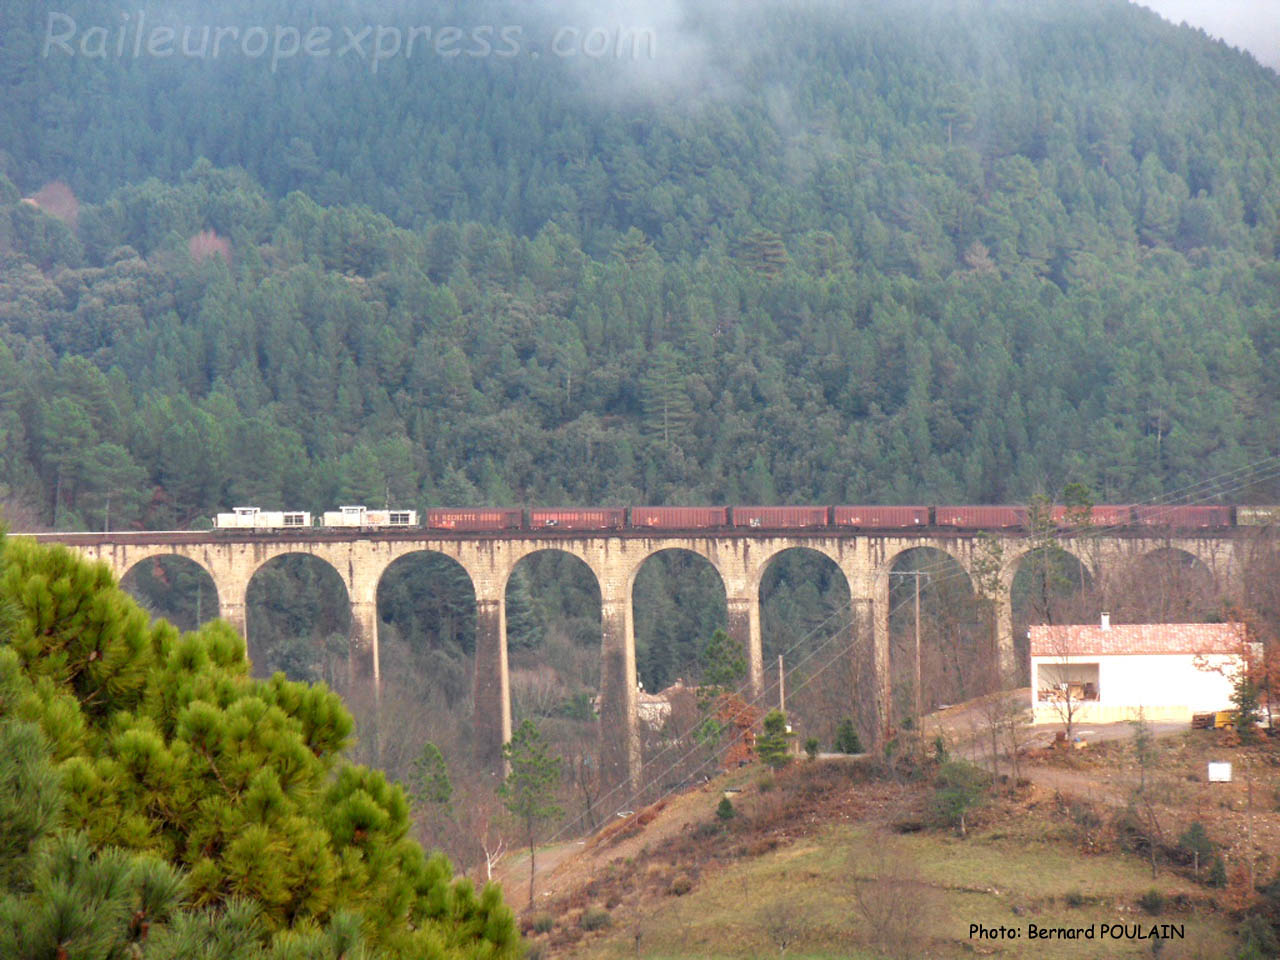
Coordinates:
x,y
803,863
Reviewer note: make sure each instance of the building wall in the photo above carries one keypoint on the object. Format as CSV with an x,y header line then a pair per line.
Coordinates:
x,y
1164,686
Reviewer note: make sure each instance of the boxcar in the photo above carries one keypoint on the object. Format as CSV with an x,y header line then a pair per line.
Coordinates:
x,y
780,517
1258,516
453,518
679,518
1103,515
581,518
1183,518
981,518
880,518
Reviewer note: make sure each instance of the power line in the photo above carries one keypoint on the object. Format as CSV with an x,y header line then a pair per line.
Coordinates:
x,y
1266,469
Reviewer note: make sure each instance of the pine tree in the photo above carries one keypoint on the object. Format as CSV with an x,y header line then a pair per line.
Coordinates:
x,y
667,409
847,739
173,760
771,746
429,781
529,790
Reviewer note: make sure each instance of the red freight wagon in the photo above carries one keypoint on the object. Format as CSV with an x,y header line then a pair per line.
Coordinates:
x,y
446,518
879,518
1105,515
679,518
779,517
980,518
1184,518
600,518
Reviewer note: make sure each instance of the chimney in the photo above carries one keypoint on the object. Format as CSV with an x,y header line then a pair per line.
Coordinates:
x,y
1106,621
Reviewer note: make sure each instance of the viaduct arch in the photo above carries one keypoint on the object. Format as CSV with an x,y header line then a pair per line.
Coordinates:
x,y
741,558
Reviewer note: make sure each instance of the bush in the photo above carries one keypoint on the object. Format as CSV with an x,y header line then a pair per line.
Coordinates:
x,y
771,745
711,828
961,788
847,740
1152,901
766,783
681,884
595,918
542,923
725,809
1217,873
1257,940
1195,845
811,748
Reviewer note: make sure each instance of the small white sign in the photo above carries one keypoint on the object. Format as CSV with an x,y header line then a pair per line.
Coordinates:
x,y
1219,773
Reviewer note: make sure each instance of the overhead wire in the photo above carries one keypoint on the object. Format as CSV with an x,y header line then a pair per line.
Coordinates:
x,y
1227,482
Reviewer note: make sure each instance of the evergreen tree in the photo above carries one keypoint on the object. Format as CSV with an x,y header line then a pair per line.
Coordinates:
x,y
772,745
172,761
847,740
429,780
529,790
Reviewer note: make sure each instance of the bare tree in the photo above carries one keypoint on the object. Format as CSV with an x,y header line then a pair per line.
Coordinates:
x,y
1063,683
988,584
1003,720
536,692
897,906
586,779
783,922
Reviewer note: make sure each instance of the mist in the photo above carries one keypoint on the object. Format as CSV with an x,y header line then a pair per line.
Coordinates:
x,y
1252,25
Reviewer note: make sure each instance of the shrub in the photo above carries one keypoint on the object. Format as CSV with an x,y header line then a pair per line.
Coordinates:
x,y
542,923
766,783
847,740
961,787
1217,873
811,748
595,918
681,884
725,809
1257,940
1152,901
1195,845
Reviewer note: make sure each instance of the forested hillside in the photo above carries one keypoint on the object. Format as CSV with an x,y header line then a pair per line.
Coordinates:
x,y
910,251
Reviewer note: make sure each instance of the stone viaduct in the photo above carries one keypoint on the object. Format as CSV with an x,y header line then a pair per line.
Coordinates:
x,y
741,557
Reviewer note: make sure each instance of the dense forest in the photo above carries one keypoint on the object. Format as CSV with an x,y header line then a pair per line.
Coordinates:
x,y
915,252
924,251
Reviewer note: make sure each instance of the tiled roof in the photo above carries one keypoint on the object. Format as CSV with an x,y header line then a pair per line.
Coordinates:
x,y
1076,640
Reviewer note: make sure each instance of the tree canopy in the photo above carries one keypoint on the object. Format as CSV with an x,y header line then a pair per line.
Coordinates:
x,y
150,763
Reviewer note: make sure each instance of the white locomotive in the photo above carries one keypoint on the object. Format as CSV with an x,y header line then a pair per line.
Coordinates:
x,y
363,517
251,518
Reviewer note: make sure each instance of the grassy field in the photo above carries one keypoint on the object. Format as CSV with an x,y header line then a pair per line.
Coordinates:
x,y
806,896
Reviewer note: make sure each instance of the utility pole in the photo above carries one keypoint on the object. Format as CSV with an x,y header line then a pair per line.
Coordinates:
x,y
917,574
782,695
919,714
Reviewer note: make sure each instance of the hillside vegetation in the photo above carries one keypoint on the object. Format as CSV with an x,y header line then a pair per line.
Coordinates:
x,y
159,803
851,858
899,252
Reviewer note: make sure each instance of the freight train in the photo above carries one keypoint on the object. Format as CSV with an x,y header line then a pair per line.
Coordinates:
x,y
497,519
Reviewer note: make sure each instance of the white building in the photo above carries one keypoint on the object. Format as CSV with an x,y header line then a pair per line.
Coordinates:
x,y
1106,673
